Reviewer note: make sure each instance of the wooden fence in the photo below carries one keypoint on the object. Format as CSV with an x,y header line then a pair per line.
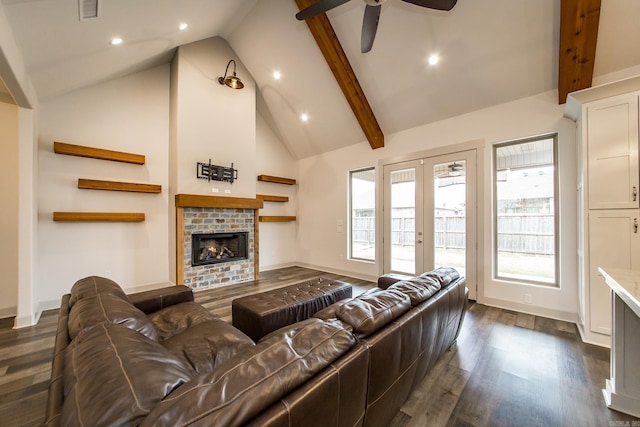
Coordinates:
x,y
518,233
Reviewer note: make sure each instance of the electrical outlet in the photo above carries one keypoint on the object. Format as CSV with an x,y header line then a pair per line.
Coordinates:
x,y
227,191
214,190
528,299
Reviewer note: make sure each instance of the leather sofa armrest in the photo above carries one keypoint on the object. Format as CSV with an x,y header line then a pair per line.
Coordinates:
x,y
154,300
56,385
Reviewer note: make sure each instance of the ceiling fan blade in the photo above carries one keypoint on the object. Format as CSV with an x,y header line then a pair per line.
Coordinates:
x,y
369,27
434,4
317,8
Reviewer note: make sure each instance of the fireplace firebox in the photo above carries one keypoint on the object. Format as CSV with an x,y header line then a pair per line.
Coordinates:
x,y
218,247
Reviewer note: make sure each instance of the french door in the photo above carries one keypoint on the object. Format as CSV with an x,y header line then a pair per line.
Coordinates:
x,y
430,215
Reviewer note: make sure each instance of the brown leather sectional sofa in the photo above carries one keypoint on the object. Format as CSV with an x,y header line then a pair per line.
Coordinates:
x,y
158,358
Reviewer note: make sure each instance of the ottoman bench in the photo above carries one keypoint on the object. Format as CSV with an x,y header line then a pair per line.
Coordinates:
x,y
259,314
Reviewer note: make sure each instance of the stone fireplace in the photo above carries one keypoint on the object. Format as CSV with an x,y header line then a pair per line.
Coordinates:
x,y
216,240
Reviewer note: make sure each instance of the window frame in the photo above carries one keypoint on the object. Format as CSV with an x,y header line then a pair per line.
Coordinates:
x,y
350,240
556,211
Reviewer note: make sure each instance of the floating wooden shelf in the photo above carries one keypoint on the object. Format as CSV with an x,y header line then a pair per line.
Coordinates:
x,y
276,179
97,153
271,198
98,216
94,184
268,218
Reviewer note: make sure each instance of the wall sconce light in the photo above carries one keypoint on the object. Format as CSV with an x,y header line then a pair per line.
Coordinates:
x,y
234,81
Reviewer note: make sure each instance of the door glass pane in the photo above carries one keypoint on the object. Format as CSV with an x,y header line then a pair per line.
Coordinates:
x,y
363,218
449,203
403,221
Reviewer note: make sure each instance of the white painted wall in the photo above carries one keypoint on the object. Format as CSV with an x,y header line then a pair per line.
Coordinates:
x,y
13,73
9,138
12,67
322,197
209,121
128,114
27,219
212,121
277,239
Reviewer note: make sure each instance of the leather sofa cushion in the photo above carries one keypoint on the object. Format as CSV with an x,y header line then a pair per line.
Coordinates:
x,y
91,286
207,344
331,312
389,279
246,384
107,308
445,275
373,310
175,319
418,289
114,376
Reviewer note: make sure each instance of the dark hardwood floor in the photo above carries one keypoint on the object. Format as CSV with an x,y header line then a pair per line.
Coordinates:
x,y
507,368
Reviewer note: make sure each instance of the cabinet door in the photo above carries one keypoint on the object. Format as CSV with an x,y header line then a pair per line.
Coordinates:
x,y
614,242
612,151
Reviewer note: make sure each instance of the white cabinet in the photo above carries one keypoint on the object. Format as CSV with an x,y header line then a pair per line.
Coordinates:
x,y
608,207
612,151
614,243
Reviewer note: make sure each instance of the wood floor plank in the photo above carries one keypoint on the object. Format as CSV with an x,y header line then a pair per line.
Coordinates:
x,y
525,320
433,404
506,369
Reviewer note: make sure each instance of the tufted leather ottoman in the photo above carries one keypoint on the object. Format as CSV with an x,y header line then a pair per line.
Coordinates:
x,y
257,315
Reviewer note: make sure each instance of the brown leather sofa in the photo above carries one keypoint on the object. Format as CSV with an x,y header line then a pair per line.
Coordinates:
x,y
158,358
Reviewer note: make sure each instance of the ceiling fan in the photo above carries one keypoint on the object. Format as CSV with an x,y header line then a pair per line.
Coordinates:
x,y
371,14
455,169
450,170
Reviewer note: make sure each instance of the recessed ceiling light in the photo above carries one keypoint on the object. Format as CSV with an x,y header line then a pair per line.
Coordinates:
x,y
183,26
277,75
116,41
433,59
304,117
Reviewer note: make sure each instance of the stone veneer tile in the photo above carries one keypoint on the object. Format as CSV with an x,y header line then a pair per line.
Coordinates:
x,y
208,220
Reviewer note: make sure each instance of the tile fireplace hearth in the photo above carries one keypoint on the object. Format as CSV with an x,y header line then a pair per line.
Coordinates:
x,y
228,218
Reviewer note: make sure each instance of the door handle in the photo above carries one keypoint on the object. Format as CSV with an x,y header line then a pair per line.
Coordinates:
x,y
634,193
635,225
418,241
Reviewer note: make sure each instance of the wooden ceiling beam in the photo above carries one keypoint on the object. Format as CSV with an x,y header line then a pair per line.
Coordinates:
x,y
331,48
578,36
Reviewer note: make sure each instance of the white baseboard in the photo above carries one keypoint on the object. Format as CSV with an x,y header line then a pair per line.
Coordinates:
x,y
277,266
366,277
8,312
148,287
47,305
532,309
594,338
26,321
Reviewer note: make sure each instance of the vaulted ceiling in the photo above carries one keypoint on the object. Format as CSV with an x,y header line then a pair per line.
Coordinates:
x,y
491,52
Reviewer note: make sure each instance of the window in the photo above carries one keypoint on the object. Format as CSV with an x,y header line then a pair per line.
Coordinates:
x,y
362,220
526,210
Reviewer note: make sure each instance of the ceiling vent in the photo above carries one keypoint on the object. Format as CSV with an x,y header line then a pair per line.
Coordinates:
x,y
88,9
